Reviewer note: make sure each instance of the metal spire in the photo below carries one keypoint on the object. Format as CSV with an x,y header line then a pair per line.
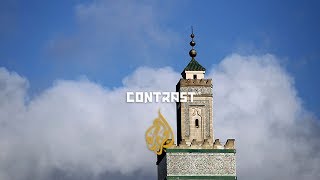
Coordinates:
x,y
192,52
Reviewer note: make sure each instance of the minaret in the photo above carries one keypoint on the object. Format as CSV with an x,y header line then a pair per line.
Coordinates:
x,y
195,119
196,156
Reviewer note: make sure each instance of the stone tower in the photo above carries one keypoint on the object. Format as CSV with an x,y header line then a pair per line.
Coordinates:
x,y
194,120
197,155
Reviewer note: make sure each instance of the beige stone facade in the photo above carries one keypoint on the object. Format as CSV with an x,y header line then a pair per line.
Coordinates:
x,y
196,118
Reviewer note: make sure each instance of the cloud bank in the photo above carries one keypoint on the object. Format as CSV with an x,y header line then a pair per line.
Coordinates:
x,y
81,130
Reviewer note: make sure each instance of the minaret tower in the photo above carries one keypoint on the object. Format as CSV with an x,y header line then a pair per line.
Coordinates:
x,y
195,119
197,155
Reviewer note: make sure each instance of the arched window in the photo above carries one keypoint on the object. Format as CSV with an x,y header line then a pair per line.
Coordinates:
x,y
194,76
197,123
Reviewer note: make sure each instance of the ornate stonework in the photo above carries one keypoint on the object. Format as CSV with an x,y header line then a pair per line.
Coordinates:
x,y
199,90
195,82
204,164
204,105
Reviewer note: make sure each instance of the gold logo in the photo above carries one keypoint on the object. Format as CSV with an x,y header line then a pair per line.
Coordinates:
x,y
159,136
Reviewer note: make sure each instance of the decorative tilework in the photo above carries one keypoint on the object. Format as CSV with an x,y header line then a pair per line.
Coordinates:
x,y
201,164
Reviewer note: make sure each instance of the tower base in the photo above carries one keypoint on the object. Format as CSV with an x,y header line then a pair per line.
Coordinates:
x,y
218,164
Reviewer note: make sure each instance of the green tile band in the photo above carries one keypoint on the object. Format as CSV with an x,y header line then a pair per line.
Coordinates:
x,y
200,150
203,177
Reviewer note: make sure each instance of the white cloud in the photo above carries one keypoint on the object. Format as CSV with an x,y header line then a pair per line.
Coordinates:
x,y
78,126
256,102
82,127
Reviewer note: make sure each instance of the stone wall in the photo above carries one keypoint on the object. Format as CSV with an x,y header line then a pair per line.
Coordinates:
x,y
201,163
201,109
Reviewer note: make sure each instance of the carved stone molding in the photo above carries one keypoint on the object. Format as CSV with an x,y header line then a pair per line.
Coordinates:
x,y
200,90
205,106
195,82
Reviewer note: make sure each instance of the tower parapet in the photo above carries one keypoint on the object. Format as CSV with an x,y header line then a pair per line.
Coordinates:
x,y
195,82
229,144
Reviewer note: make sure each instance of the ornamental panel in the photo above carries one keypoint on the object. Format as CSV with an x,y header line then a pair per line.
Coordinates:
x,y
201,164
204,105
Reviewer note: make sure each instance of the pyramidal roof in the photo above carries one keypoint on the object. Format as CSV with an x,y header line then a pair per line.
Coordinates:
x,y
194,66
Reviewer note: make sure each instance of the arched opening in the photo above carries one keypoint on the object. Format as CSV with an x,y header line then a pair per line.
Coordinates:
x,y
194,76
197,123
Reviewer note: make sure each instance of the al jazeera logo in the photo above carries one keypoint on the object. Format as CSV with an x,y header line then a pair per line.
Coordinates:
x,y
160,135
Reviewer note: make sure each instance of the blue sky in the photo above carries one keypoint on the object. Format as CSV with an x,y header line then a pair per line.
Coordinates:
x,y
287,29
73,61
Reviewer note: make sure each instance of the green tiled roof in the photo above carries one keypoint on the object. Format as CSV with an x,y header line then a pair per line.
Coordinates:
x,y
194,66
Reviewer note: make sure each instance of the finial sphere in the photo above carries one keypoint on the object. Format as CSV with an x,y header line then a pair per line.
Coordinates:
x,y
192,35
193,53
192,43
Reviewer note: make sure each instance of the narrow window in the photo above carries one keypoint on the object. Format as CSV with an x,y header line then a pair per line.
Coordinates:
x,y
194,76
197,123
